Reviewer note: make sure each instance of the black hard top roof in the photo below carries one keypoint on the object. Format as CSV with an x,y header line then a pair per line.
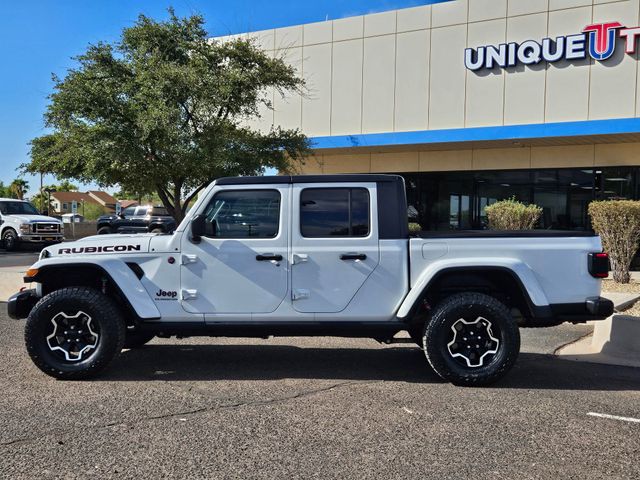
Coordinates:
x,y
285,179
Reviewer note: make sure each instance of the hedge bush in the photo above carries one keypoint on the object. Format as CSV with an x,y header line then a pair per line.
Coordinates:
x,y
618,224
513,215
414,228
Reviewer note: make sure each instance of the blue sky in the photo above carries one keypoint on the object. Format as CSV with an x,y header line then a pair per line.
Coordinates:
x,y
39,37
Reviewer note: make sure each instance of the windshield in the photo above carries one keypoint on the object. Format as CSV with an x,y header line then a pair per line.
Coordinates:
x,y
17,208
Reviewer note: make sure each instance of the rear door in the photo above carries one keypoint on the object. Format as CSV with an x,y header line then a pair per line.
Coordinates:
x,y
334,244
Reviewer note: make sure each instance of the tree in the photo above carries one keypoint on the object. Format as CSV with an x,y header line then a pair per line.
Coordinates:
x,y
91,211
18,188
165,108
40,199
149,196
65,186
4,191
618,224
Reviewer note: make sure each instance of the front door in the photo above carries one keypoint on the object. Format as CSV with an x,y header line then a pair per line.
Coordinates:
x,y
241,265
334,244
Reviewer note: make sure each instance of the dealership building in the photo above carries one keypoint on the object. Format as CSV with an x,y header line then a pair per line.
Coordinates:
x,y
473,101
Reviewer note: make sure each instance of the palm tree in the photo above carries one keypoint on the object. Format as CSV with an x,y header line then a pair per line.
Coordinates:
x,y
18,188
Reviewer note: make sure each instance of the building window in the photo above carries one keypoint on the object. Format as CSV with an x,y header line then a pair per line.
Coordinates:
x,y
334,212
65,206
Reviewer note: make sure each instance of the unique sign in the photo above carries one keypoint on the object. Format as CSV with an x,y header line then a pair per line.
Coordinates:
x,y
598,41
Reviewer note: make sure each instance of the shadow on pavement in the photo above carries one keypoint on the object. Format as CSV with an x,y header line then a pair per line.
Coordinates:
x,y
275,362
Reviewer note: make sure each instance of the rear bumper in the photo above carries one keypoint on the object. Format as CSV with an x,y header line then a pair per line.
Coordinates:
x,y
594,308
20,305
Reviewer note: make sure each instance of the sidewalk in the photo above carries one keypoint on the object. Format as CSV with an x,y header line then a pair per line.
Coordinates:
x,y
11,281
614,341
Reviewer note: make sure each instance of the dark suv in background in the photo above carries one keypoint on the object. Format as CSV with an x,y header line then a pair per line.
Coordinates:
x,y
138,220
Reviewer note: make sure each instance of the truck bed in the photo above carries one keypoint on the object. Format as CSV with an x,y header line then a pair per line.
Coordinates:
x,y
553,265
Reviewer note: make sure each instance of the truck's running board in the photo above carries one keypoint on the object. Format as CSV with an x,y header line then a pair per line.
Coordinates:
x,y
381,331
394,340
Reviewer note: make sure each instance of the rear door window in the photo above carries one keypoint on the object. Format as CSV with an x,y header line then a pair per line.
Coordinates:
x,y
334,212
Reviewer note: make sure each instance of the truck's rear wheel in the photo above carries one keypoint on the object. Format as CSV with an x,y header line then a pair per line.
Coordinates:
x,y
74,333
471,339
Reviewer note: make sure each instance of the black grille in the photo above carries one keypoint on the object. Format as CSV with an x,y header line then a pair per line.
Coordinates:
x,y
47,228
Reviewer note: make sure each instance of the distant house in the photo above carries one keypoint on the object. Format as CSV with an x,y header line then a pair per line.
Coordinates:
x,y
128,203
62,202
104,199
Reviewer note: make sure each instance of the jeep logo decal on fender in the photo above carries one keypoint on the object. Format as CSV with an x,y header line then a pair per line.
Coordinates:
x,y
107,249
164,295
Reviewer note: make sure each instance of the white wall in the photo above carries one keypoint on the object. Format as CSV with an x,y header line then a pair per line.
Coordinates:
x,y
404,70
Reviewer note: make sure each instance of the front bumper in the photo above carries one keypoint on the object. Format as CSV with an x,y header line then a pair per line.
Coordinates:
x,y
41,238
20,305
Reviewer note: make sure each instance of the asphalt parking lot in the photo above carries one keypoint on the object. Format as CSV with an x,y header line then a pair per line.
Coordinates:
x,y
19,258
315,408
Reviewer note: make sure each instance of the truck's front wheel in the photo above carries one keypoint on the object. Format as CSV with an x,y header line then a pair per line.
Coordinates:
x,y
74,333
471,339
10,240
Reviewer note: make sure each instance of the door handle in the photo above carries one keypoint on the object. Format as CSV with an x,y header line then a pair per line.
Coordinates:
x,y
353,256
269,257
300,258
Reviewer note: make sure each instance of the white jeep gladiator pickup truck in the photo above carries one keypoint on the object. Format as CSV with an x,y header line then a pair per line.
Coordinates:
x,y
20,222
309,256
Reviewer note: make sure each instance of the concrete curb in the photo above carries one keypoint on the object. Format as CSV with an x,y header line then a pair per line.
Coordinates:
x,y
621,301
615,341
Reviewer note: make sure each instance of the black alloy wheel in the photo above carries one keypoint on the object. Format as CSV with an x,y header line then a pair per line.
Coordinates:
x,y
471,339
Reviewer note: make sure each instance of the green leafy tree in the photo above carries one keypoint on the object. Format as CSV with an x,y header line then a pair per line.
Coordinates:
x,y
164,108
39,200
18,188
91,211
142,197
65,186
4,191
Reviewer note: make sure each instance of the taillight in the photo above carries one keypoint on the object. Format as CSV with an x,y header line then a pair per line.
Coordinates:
x,y
599,265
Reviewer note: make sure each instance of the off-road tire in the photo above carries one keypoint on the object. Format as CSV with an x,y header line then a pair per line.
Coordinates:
x,y
135,339
103,311
104,231
10,240
157,230
438,333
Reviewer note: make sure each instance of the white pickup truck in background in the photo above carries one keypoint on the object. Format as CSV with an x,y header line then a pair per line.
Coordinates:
x,y
309,256
20,222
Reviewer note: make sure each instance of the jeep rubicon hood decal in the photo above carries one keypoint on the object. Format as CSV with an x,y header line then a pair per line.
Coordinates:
x,y
100,249
103,244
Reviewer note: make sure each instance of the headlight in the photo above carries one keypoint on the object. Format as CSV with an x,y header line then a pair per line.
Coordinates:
x,y
62,228
25,228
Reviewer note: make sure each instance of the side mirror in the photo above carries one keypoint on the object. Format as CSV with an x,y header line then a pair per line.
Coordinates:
x,y
198,228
